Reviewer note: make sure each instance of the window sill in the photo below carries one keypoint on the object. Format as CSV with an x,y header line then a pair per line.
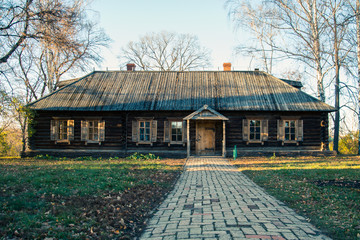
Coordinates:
x,y
289,142
62,141
96,142
176,143
254,141
144,143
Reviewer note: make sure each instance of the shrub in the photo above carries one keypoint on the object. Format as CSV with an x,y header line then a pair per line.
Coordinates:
x,y
139,156
4,146
349,144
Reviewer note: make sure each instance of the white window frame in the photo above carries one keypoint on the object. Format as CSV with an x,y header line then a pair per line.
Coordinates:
x,y
62,130
289,127
260,130
135,136
299,130
264,130
94,122
57,130
85,130
171,134
139,130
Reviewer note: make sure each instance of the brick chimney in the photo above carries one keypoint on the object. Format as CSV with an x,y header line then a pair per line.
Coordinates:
x,y
227,66
130,67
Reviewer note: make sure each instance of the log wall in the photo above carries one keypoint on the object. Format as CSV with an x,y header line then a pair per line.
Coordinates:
x,y
118,131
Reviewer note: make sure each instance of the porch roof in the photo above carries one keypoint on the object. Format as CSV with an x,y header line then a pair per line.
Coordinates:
x,y
205,113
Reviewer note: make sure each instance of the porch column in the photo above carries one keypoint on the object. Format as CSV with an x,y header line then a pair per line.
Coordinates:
x,y
188,136
224,141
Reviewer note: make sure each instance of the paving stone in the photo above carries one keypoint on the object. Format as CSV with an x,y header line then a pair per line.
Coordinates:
x,y
213,200
172,237
183,235
248,231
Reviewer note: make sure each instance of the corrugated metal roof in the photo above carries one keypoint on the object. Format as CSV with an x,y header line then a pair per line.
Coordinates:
x,y
148,91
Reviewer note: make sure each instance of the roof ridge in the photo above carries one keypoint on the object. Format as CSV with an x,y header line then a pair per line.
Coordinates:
x,y
189,71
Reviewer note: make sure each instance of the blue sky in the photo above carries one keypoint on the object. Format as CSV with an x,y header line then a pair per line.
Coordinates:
x,y
126,21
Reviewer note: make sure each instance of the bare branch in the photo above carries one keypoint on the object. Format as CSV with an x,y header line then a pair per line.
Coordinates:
x,y
166,51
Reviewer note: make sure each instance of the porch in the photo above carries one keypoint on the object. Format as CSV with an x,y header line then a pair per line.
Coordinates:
x,y
206,133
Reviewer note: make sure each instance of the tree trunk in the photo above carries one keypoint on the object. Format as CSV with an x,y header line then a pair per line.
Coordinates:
x,y
23,123
313,22
337,82
357,12
320,85
337,106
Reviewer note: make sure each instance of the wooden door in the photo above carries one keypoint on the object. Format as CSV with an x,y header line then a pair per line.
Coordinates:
x,y
205,138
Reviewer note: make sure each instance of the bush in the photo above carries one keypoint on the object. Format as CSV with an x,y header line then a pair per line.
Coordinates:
x,y
349,144
4,146
139,156
10,142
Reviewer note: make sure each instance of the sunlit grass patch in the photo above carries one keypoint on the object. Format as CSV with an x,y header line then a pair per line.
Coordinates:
x,y
277,163
334,208
71,199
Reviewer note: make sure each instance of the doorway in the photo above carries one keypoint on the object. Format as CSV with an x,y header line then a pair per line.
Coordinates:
x,y
205,138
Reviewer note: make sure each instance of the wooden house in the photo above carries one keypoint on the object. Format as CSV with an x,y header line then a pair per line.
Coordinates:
x,y
178,114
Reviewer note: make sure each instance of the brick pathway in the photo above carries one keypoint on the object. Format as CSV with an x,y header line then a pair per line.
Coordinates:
x,y
212,200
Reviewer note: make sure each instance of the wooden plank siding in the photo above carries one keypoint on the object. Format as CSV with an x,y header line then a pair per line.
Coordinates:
x,y
118,131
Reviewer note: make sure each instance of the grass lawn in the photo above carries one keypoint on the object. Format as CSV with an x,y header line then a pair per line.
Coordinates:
x,y
72,199
325,190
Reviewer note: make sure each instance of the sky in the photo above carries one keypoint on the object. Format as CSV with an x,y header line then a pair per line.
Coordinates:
x,y
125,21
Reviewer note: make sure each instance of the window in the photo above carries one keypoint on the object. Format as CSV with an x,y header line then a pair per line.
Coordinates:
x,y
144,130
144,133
289,130
255,130
62,130
176,131
93,131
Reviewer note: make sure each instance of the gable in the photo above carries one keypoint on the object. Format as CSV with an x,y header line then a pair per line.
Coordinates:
x,y
206,113
162,91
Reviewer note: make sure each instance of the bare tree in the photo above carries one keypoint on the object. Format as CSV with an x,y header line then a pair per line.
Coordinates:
x,y
354,18
356,10
71,43
20,20
15,18
166,51
338,25
299,32
260,22
304,28
56,60
68,42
